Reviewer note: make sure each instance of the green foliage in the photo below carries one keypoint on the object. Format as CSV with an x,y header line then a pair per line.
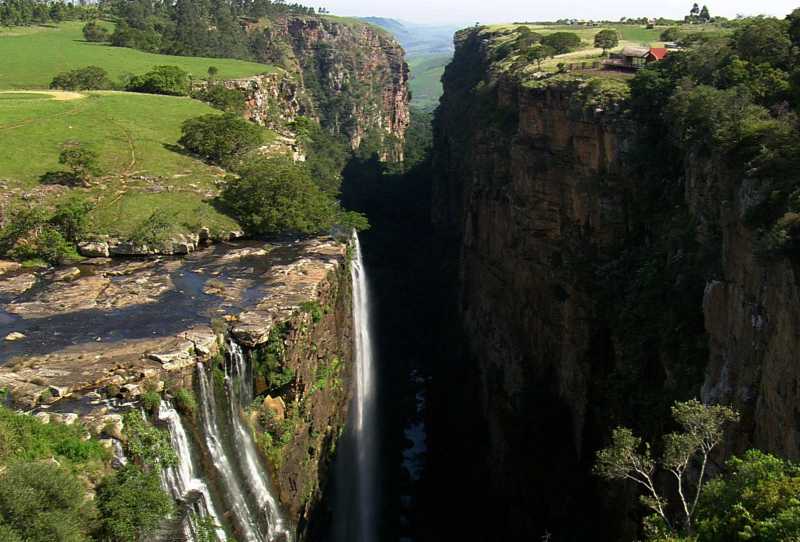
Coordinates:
x,y
271,360
146,444
185,401
71,218
220,138
763,40
151,401
24,438
756,499
672,34
326,154
28,234
94,32
88,78
132,504
606,39
314,309
42,502
562,42
153,230
168,80
276,195
278,434
82,161
627,458
539,53
222,98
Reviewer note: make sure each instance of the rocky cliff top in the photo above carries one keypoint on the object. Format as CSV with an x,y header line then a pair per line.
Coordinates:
x,y
76,329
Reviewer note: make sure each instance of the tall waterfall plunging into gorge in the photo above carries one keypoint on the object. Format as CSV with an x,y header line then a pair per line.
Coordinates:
x,y
363,415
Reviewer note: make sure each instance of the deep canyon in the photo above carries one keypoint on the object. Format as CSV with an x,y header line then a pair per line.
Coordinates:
x,y
532,282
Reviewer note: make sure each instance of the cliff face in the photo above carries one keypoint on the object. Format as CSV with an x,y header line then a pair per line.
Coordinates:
x,y
355,73
573,320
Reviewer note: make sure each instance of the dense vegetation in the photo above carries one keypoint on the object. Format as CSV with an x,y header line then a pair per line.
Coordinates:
x,y
186,28
28,12
45,470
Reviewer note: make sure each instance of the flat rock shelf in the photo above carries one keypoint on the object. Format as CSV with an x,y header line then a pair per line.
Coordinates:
x,y
73,330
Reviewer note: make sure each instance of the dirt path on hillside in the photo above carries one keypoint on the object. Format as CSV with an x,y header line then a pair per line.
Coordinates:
x,y
57,95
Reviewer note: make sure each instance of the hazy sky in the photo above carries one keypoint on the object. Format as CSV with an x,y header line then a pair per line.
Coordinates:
x,y
470,11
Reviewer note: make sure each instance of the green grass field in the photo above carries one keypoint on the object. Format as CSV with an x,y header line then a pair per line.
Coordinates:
x,y
426,78
30,57
134,136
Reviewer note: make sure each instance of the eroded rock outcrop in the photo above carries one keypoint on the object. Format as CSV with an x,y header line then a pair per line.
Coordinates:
x,y
355,73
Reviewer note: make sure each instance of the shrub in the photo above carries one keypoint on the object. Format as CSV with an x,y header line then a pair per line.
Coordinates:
x,y
153,230
82,161
146,444
169,80
88,78
94,32
132,504
28,235
71,218
24,438
225,99
185,401
562,42
42,502
275,196
672,33
220,138
151,401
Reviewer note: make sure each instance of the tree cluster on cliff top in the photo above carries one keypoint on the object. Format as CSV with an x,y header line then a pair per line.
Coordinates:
x,y
212,28
736,97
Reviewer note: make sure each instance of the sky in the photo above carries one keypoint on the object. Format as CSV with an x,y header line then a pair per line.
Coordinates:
x,y
491,11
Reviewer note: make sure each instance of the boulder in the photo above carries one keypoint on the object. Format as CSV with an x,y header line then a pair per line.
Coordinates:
x,y
276,406
130,391
14,336
111,426
8,267
59,391
94,249
63,275
43,417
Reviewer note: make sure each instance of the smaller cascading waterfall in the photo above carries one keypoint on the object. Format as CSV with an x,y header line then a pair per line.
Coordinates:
x,y
234,496
241,378
182,481
364,402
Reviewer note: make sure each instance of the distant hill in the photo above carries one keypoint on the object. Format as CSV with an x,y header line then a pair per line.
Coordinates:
x,y
418,39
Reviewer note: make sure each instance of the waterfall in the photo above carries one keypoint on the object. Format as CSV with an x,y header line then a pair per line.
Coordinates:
x,y
364,427
243,481
182,481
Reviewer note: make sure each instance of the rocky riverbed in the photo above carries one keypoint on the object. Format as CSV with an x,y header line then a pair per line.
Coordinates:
x,y
68,332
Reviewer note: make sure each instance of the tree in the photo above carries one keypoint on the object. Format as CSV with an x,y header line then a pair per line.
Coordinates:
x,y
42,502
220,138
273,196
87,78
81,161
132,504
538,53
94,32
756,499
562,42
212,72
627,458
673,33
763,40
169,80
704,16
606,39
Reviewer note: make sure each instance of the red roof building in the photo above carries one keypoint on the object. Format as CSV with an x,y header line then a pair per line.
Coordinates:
x,y
657,53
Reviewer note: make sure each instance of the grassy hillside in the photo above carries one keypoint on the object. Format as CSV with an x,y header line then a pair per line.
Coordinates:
x,y
32,56
135,137
426,78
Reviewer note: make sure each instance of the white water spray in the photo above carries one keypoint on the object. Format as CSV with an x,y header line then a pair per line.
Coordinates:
x,y
364,404
182,480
